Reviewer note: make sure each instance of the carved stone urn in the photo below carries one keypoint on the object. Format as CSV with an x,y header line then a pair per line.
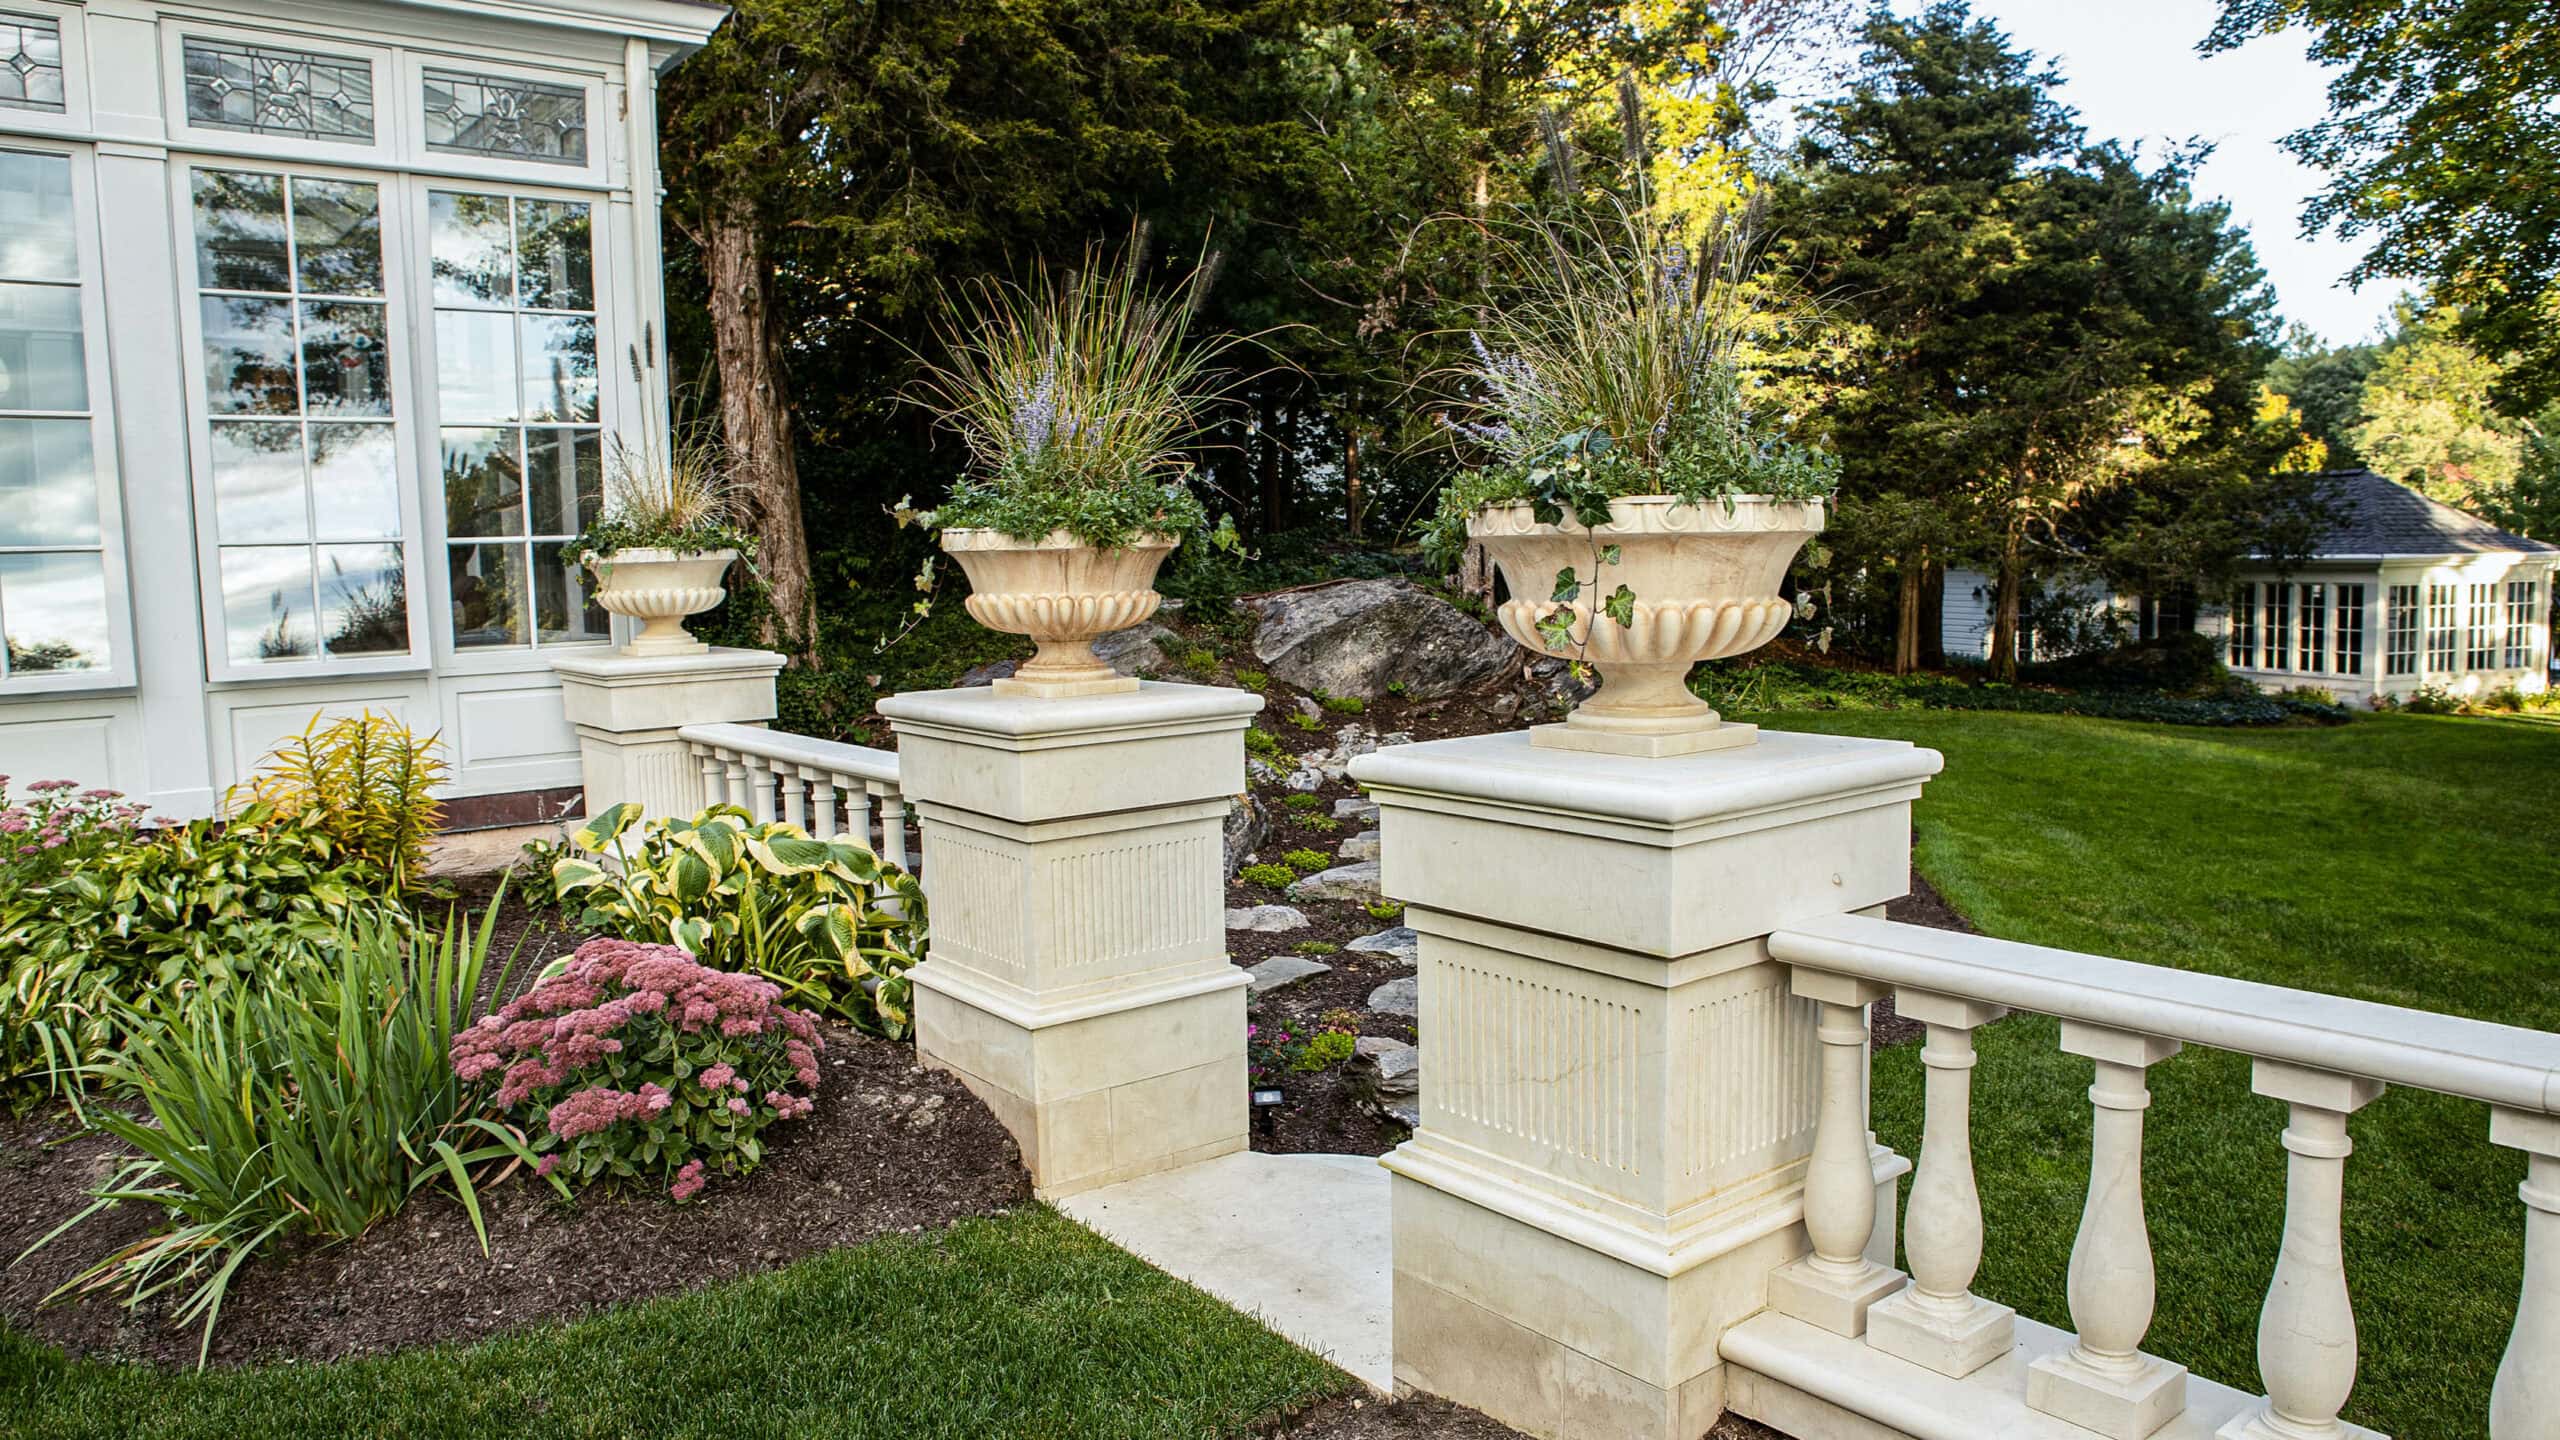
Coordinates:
x,y
659,588
1705,578
1064,594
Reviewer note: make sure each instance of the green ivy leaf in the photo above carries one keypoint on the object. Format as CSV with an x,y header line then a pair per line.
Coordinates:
x,y
1621,606
1567,586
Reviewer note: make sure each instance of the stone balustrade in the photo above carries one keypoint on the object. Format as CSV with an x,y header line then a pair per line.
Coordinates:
x,y
2323,1055
825,787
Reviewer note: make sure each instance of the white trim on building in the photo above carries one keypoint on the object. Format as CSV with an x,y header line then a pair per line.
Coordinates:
x,y
369,463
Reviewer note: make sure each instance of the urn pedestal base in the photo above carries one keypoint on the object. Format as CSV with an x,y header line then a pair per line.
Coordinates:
x,y
1591,741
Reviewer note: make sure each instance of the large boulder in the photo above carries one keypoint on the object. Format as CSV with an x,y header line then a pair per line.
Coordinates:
x,y
1360,637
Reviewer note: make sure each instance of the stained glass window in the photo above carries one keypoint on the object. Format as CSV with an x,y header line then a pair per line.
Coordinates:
x,y
30,63
511,119
264,90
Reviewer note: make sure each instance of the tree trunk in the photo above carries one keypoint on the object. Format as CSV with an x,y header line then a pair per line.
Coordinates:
x,y
1351,478
755,417
1475,575
1906,630
1267,459
2004,625
1933,616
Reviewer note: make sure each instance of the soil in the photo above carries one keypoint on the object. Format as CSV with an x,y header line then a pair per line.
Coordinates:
x,y
1424,1418
890,1147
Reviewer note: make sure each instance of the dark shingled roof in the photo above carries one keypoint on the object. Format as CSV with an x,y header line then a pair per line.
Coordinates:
x,y
2379,516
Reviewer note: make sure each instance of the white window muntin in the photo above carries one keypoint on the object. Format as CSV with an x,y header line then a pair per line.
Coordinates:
x,y
613,405
69,22
400,390
106,541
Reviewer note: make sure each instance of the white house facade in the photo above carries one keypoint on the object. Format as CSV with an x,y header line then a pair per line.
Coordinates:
x,y
2403,592
317,322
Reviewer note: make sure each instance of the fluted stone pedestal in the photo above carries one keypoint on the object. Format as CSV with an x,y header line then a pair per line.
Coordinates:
x,y
628,708
1078,979
1620,1107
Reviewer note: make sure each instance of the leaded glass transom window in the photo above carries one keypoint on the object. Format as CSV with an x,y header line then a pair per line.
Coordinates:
x,y
516,401
53,564
302,442
512,119
30,63
266,90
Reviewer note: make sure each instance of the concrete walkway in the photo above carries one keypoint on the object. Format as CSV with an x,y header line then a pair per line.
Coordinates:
x,y
1299,1241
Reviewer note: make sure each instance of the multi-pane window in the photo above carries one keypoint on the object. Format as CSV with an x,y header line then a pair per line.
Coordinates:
x,y
509,118
2524,612
2279,624
302,446
2444,628
30,63
2350,630
2244,625
2483,631
2311,655
53,563
516,388
2400,631
271,90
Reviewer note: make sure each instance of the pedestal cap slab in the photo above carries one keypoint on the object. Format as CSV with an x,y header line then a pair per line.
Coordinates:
x,y
622,694
1028,759
1665,856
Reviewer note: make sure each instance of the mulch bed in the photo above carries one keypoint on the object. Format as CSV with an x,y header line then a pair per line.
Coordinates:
x,y
890,1147
1426,1418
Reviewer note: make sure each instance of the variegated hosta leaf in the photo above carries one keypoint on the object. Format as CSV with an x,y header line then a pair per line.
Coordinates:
x,y
601,831
571,875
691,933
693,877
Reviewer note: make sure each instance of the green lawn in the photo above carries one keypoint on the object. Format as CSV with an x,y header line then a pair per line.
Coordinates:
x,y
2409,860
1019,1325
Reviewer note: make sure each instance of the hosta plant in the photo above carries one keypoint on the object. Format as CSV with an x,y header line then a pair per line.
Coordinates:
x,y
826,919
159,917
311,1102
639,1062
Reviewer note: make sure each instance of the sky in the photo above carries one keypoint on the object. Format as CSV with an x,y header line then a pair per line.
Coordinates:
x,y
2131,69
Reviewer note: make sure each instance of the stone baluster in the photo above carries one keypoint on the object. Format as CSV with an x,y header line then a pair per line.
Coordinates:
x,y
857,813
761,776
2104,1382
2524,1403
1938,1322
893,828
822,803
737,778
715,784
795,793
1835,1285
2307,1328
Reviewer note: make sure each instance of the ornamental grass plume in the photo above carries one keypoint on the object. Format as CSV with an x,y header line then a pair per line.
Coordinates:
x,y
637,1061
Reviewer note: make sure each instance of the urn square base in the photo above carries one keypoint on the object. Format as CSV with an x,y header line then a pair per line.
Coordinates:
x,y
1590,741
1064,689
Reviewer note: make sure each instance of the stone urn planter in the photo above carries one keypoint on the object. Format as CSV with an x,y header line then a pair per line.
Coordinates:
x,y
659,588
1064,594
1706,585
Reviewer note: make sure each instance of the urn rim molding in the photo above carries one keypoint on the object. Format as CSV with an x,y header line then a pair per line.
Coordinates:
x,y
1706,577
1064,593
661,587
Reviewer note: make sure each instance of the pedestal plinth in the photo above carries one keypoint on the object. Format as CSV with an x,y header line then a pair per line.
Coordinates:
x,y
628,708
1621,1098
1078,979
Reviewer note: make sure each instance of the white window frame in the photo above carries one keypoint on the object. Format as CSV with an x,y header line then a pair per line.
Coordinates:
x,y
2444,623
2243,646
2484,636
2524,612
2395,659
2346,622
120,671
73,119
382,151
2279,628
2311,627
403,388
497,169
425,452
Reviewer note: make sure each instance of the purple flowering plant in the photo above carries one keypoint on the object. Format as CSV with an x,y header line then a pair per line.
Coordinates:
x,y
635,1061
56,826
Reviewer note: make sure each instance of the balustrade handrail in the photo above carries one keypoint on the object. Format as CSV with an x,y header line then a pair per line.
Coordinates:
x,y
834,756
2502,1065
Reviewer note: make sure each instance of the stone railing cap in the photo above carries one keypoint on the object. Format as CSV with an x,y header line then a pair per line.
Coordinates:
x,y
784,748
1154,706
1781,769
611,666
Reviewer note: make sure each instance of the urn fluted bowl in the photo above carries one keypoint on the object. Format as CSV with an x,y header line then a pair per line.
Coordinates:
x,y
1064,594
1706,577
659,588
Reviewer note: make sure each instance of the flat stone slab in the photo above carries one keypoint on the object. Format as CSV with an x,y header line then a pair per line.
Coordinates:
x,y
1358,808
1282,970
1342,882
1398,997
1298,1241
1399,941
1363,846
1267,919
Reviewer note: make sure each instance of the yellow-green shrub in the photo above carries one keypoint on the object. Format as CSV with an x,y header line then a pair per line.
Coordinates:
x,y
369,781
